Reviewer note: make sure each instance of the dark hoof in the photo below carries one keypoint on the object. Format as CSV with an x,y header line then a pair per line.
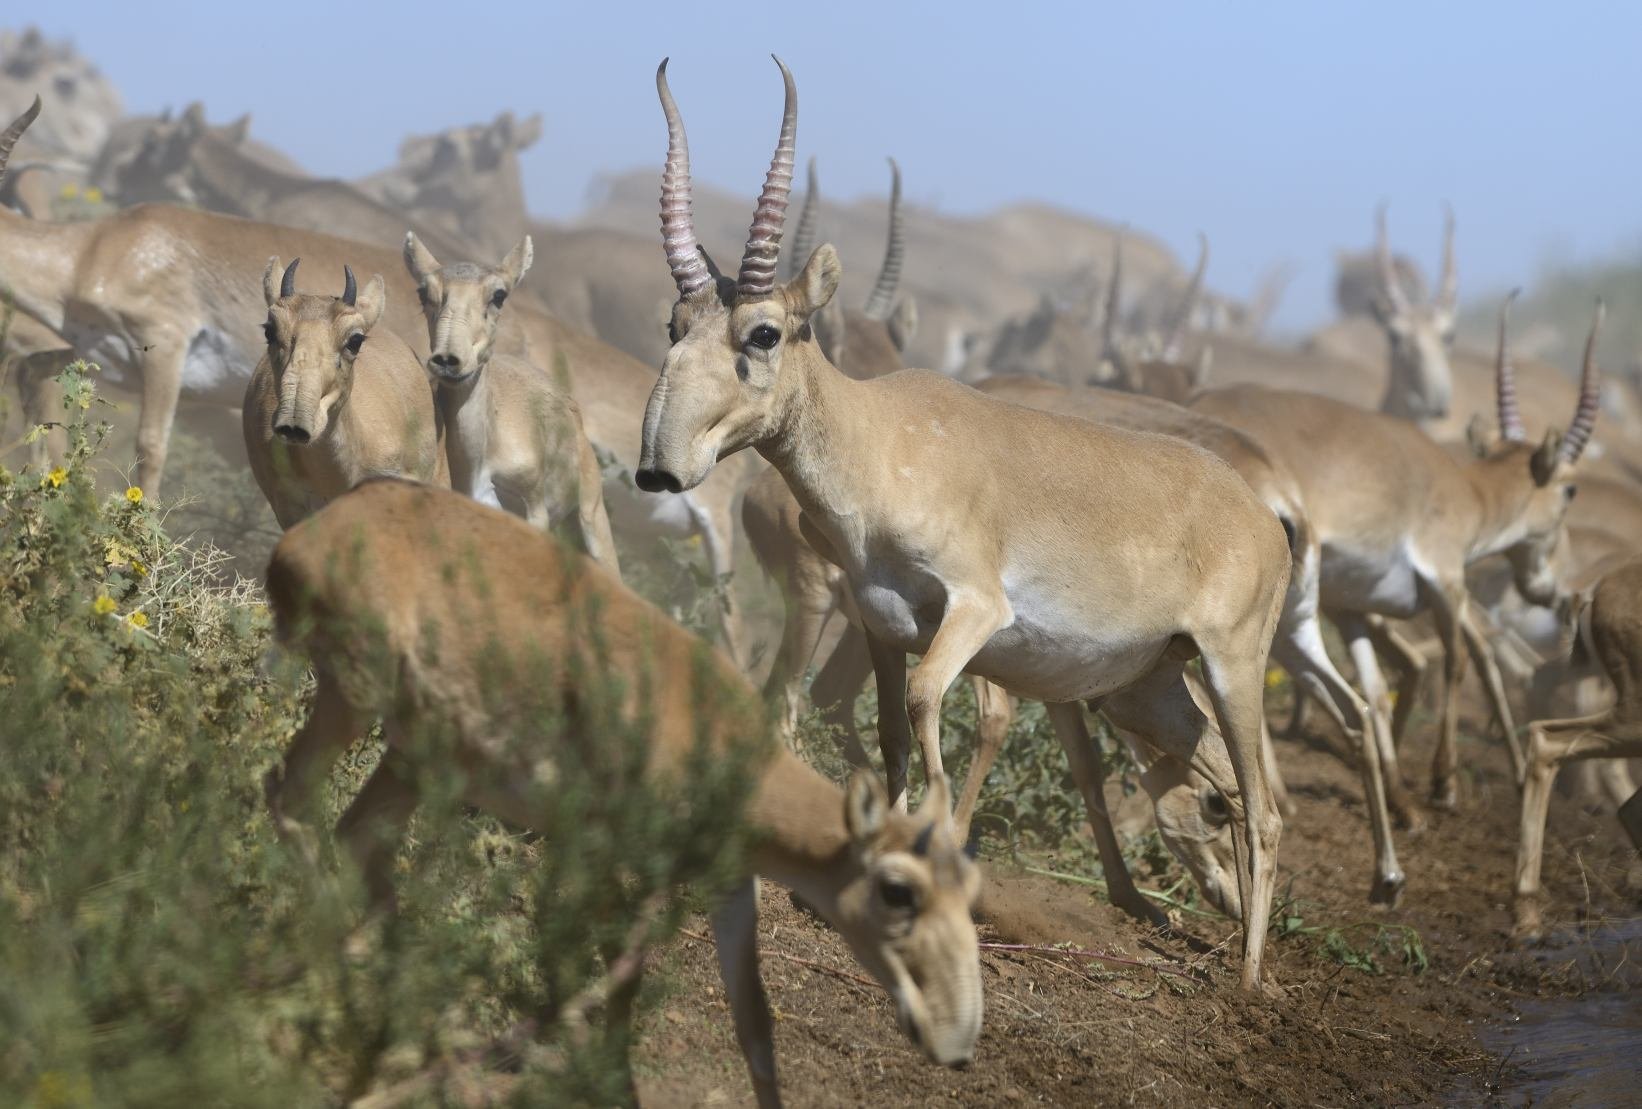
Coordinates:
x,y
1445,795
1387,889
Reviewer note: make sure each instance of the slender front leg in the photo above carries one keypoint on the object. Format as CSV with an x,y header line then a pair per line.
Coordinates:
x,y
719,536
162,386
591,515
735,933
1550,744
994,712
290,789
374,825
1089,772
969,621
889,667
1482,653
808,601
1359,635
1448,604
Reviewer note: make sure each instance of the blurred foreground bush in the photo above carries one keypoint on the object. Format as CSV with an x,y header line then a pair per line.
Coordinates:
x,y
158,946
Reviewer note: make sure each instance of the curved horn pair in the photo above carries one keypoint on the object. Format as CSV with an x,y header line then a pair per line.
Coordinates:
x,y
350,287
1175,342
758,262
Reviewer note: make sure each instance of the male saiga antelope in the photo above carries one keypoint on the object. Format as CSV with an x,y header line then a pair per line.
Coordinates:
x,y
332,403
1019,545
1399,519
513,436
1611,630
392,591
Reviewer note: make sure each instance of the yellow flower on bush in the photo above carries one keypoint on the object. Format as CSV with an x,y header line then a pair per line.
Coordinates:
x,y
55,477
138,619
93,195
138,568
134,494
69,191
103,605
1274,677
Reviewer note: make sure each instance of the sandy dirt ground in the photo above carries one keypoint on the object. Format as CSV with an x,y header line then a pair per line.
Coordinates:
x,y
1064,1031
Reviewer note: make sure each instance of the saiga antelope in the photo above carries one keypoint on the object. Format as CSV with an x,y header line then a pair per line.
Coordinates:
x,y
513,436
392,592
1399,519
1019,545
331,403
1612,631
169,299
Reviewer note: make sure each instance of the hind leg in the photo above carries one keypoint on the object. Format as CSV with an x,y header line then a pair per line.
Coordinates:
x,y
1360,639
374,826
839,683
1550,744
994,711
1482,653
1234,681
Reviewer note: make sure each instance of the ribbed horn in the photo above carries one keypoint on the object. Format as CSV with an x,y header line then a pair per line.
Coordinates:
x,y
678,224
1390,284
757,277
1590,397
882,300
350,287
1176,339
1505,379
9,138
287,284
803,237
1448,292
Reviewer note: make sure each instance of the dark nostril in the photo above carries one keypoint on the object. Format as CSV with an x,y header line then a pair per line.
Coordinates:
x,y
444,361
658,481
291,433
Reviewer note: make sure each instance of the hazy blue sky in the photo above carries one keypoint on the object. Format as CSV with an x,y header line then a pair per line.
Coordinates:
x,y
1273,126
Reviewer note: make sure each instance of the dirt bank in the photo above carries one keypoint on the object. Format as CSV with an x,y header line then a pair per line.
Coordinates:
x,y
1067,1031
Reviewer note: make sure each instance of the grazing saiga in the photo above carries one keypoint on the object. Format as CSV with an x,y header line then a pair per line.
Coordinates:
x,y
409,600
1018,545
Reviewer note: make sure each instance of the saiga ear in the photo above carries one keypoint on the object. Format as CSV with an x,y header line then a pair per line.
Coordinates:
x,y
239,130
816,283
1477,435
866,805
270,280
419,260
517,262
371,300
903,322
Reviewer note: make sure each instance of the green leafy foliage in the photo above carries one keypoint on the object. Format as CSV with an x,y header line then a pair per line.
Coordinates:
x,y
159,945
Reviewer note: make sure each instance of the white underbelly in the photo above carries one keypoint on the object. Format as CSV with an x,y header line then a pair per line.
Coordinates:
x,y
1359,582
1045,652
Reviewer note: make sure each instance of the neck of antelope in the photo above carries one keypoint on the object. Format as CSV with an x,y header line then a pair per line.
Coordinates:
x,y
37,264
1500,485
819,438
465,407
801,841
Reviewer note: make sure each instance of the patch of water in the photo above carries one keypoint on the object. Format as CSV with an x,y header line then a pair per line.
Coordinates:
x,y
1578,1051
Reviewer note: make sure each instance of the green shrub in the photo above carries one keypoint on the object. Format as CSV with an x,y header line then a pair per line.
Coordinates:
x,y
158,945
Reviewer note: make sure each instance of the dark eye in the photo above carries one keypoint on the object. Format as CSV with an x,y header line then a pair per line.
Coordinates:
x,y
499,297
896,894
764,337
672,332
1569,491
355,341
1214,807
423,295
269,333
